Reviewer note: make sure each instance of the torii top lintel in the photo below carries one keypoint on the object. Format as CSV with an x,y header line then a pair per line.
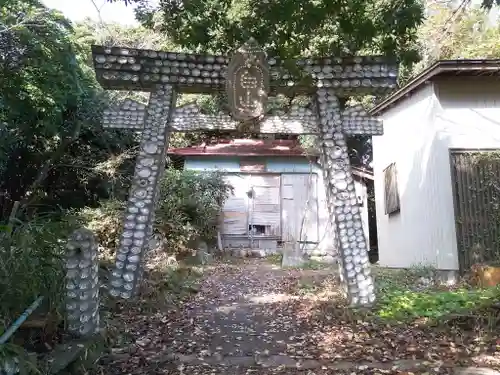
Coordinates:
x,y
121,68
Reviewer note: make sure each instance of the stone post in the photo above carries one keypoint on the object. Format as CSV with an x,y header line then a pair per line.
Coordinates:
x,y
344,211
82,284
139,216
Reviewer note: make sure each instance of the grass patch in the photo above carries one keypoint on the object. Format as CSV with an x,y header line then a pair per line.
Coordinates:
x,y
310,265
408,295
411,296
275,259
314,265
409,305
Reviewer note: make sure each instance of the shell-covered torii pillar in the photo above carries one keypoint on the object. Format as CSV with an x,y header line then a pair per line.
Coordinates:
x,y
249,76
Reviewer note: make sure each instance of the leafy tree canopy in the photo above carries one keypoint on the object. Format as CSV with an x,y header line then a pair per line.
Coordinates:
x,y
50,110
289,28
35,93
470,35
488,4
449,32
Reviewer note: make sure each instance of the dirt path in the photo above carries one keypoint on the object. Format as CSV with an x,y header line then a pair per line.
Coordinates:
x,y
238,314
249,319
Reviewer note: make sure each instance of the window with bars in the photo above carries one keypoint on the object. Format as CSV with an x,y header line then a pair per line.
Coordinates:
x,y
391,191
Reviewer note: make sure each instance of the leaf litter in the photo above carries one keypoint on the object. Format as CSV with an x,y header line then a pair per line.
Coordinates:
x,y
251,317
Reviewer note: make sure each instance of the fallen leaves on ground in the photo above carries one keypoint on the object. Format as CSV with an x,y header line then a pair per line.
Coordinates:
x,y
250,310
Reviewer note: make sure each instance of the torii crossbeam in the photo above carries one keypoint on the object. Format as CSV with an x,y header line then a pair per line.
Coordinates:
x,y
165,73
190,118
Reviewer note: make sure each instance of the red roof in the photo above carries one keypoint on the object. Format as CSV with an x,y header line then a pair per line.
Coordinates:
x,y
243,147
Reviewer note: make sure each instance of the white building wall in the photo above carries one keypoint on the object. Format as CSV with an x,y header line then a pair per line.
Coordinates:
x,y
471,113
470,119
404,238
419,133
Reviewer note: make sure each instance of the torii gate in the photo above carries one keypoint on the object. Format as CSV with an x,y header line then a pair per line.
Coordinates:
x,y
249,76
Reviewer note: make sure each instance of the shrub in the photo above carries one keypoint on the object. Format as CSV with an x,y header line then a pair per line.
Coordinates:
x,y
105,222
187,209
189,205
31,266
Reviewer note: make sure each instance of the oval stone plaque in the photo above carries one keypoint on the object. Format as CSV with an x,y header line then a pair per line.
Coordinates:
x,y
247,82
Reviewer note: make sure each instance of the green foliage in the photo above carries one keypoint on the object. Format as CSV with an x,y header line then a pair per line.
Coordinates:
x,y
31,266
404,296
36,90
89,32
50,112
53,153
104,221
275,258
408,305
172,284
488,4
288,28
450,34
31,259
15,357
390,279
189,205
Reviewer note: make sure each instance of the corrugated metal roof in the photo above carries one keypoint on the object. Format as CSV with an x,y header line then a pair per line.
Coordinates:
x,y
459,68
243,147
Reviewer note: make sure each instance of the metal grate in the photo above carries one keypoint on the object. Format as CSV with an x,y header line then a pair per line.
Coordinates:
x,y
476,196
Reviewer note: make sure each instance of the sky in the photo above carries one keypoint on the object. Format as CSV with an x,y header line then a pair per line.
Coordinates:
x,y
110,12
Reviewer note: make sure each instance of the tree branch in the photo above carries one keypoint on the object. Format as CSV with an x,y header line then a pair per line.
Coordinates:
x,y
25,22
29,198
